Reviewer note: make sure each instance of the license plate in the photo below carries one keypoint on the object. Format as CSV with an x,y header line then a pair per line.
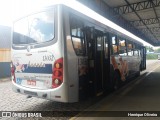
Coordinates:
x,y
18,81
31,82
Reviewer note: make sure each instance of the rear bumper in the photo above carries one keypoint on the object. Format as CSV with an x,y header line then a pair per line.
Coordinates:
x,y
50,94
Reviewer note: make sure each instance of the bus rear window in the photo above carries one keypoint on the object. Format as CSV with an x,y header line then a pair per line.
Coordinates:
x,y
36,28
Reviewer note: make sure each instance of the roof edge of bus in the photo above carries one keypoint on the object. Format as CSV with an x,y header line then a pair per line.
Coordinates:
x,y
90,13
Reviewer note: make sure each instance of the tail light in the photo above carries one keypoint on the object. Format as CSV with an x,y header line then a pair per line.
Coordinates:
x,y
13,72
57,77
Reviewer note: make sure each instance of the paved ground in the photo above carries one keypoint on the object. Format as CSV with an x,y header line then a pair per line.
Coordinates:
x,y
142,94
10,101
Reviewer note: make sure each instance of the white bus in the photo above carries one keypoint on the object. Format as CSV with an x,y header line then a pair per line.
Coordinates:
x,y
66,52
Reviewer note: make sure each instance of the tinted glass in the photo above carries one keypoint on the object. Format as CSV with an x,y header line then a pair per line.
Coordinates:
x,y
77,35
36,28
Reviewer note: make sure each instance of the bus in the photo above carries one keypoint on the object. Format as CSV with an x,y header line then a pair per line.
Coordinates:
x,y
66,52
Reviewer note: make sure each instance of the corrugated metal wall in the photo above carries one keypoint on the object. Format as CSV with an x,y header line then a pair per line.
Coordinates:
x,y
5,51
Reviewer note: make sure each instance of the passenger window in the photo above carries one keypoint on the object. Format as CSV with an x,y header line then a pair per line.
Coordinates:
x,y
36,28
99,44
77,35
139,52
122,47
106,47
130,48
130,52
114,40
115,49
114,45
136,53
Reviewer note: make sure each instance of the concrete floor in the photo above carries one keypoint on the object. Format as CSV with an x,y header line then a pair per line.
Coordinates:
x,y
141,94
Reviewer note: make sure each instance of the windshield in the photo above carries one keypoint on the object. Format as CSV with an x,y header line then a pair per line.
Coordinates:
x,y
36,28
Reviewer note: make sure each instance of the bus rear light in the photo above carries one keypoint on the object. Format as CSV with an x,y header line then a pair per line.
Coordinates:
x,y
57,76
13,72
57,73
57,81
12,69
58,65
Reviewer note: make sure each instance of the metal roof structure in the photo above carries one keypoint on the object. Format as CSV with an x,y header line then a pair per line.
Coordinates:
x,y
140,17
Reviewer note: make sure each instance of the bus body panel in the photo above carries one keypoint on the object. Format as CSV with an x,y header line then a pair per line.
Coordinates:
x,y
72,72
44,79
34,68
71,60
35,65
127,65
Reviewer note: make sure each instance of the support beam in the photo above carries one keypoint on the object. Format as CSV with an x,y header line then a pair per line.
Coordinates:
x,y
131,7
137,6
153,29
155,11
101,7
146,21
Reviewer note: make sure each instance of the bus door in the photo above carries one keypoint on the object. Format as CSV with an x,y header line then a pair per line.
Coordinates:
x,y
143,58
95,49
99,62
106,72
90,40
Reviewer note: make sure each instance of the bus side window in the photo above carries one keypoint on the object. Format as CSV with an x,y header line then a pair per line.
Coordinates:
x,y
77,35
130,48
114,45
130,52
106,47
139,52
122,47
136,53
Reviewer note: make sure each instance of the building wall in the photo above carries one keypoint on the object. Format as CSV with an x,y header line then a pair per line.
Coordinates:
x,y
5,51
5,58
5,55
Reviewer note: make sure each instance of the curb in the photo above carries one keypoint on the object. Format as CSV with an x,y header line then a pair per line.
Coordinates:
x,y
5,79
